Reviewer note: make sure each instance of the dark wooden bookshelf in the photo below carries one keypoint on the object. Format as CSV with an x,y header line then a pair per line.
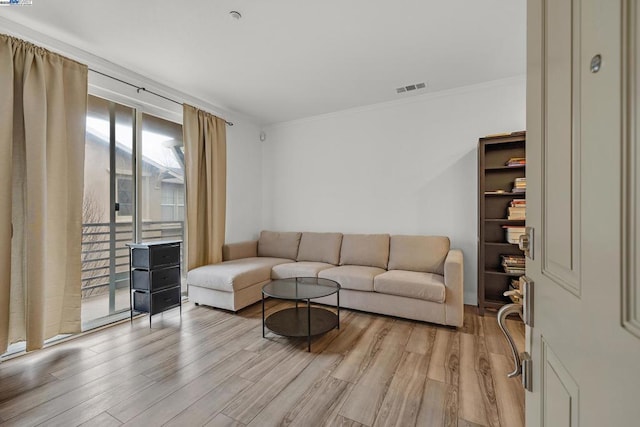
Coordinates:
x,y
494,175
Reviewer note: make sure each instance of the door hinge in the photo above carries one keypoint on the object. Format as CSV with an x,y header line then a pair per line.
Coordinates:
x,y
527,371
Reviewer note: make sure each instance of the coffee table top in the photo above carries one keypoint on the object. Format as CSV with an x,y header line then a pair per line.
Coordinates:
x,y
300,288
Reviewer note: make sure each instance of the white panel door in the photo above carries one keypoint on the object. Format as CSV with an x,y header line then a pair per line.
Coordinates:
x,y
582,191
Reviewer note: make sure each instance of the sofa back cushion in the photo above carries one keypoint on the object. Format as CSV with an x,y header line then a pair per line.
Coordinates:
x,y
419,253
365,249
320,247
279,244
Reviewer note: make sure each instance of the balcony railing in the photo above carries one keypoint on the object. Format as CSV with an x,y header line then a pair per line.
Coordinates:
x,y
104,261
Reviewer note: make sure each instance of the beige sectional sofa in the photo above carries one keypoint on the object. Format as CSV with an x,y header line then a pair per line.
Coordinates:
x,y
415,277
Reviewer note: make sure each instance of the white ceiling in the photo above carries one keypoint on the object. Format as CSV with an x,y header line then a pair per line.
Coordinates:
x,y
289,59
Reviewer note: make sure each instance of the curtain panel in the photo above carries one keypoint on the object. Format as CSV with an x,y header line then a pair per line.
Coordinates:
x,y
205,152
43,103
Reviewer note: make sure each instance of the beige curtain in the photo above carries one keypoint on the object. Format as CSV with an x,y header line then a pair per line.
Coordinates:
x,y
205,152
43,102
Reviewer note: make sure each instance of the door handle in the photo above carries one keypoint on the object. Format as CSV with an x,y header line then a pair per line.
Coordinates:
x,y
525,242
502,316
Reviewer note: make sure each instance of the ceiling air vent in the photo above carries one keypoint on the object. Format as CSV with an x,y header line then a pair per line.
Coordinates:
x,y
411,87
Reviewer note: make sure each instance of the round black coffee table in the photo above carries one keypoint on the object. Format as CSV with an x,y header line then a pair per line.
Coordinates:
x,y
301,321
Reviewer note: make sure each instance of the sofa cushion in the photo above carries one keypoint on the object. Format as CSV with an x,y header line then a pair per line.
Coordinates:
x,y
418,253
356,277
320,247
411,284
234,275
231,251
370,250
298,269
279,244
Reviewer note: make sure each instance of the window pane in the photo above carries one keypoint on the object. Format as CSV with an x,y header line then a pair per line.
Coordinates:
x,y
167,194
105,262
124,186
167,213
163,185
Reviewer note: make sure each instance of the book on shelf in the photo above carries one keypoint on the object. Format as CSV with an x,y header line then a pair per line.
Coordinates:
x,y
516,161
513,259
513,233
513,264
517,209
520,185
518,212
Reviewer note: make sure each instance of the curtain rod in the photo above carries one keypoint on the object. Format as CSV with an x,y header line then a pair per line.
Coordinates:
x,y
140,88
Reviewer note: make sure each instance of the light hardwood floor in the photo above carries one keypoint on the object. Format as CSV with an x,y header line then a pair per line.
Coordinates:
x,y
214,368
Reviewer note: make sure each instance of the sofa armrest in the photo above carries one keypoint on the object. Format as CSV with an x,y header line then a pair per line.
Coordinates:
x,y
454,283
239,250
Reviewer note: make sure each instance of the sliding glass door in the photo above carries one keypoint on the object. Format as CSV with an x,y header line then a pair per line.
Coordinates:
x,y
107,210
127,198
162,201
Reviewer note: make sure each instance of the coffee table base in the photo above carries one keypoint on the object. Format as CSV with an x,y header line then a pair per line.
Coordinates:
x,y
301,321
294,322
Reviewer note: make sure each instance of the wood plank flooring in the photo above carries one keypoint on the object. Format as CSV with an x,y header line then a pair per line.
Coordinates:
x,y
213,368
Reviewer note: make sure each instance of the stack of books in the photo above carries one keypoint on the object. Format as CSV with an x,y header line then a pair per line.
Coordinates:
x,y
513,233
520,185
516,161
513,264
517,209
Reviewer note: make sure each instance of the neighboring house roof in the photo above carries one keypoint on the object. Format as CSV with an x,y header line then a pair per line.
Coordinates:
x,y
156,153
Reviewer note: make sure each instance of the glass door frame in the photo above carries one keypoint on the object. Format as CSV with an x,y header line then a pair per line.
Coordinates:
x,y
114,202
138,109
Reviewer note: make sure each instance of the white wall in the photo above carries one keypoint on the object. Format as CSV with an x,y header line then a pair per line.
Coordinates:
x,y
406,167
244,177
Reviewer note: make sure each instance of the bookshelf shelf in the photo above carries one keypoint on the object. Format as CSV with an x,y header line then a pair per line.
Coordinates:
x,y
503,244
503,168
502,273
506,194
493,208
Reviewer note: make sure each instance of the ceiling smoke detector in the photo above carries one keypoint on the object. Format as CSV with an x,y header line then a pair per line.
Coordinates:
x,y
409,88
235,15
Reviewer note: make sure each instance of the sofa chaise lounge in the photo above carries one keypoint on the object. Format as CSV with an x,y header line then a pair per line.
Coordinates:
x,y
414,277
